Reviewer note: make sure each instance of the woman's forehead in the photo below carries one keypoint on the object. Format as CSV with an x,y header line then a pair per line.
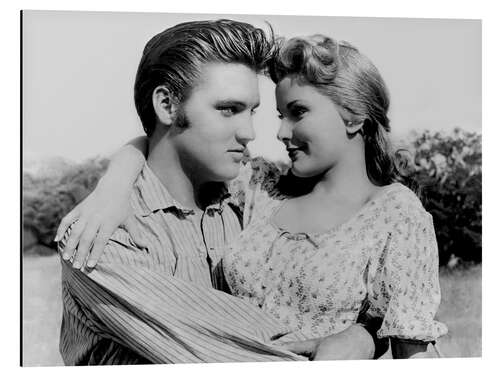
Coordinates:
x,y
293,88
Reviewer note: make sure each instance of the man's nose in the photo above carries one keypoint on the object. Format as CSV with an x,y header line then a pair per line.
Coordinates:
x,y
285,131
246,131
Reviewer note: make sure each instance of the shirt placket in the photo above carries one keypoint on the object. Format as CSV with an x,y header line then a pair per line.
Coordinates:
x,y
195,222
213,235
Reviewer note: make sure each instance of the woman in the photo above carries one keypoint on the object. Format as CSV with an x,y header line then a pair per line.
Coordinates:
x,y
338,230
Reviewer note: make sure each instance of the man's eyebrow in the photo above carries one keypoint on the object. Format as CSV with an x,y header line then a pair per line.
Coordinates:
x,y
230,102
237,103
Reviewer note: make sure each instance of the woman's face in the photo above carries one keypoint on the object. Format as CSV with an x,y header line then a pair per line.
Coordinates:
x,y
313,128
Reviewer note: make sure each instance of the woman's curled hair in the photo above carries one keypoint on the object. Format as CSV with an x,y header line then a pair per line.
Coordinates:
x,y
339,71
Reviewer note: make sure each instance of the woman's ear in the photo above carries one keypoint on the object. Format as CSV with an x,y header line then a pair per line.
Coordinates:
x,y
165,105
354,127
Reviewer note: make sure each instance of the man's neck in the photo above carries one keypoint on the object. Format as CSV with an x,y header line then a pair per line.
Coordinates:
x,y
165,162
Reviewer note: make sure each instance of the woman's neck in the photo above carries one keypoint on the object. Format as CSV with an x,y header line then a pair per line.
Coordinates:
x,y
348,180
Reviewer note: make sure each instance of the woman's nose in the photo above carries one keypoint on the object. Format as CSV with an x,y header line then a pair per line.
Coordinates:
x,y
285,131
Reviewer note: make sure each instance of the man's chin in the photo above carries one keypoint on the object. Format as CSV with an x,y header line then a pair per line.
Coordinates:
x,y
230,173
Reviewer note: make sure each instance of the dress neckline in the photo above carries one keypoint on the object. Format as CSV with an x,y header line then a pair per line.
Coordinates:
x,y
369,203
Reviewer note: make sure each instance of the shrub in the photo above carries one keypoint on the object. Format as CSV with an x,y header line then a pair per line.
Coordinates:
x,y
49,196
448,169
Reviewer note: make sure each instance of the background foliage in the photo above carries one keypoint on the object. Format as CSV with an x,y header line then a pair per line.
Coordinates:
x,y
447,167
49,194
448,170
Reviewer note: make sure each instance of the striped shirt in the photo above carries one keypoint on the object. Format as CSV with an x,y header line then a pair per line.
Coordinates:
x,y
157,305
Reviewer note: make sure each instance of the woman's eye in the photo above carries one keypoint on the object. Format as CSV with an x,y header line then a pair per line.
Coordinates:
x,y
280,116
298,111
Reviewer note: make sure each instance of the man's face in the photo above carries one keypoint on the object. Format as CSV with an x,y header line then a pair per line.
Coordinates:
x,y
219,115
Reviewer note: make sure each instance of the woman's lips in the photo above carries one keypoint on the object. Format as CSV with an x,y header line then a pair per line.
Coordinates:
x,y
293,152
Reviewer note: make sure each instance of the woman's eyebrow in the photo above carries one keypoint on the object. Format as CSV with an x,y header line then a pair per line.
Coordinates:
x,y
291,103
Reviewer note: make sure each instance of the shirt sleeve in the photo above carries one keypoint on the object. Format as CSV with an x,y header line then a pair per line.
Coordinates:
x,y
404,282
168,320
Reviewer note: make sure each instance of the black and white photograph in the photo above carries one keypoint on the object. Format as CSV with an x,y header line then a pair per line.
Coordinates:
x,y
204,188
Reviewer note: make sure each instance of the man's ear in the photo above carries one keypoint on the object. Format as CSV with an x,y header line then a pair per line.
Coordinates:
x,y
165,105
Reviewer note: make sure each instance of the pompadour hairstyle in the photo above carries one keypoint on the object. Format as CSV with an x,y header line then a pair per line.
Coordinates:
x,y
174,58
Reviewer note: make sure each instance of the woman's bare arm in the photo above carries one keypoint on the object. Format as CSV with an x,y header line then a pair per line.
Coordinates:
x,y
95,219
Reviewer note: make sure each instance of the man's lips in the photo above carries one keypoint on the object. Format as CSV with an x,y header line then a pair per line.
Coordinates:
x,y
237,153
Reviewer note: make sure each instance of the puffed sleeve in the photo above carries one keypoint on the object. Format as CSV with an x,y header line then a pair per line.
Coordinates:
x,y
255,188
403,283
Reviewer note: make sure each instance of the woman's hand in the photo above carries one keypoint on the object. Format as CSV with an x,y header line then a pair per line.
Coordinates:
x,y
93,221
353,343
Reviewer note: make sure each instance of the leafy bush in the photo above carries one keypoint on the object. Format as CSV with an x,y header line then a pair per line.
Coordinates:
x,y
47,197
448,169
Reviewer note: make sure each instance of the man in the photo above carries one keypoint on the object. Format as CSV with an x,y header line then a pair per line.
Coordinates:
x,y
195,91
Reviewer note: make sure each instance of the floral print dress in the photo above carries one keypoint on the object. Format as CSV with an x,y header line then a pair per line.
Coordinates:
x,y
317,283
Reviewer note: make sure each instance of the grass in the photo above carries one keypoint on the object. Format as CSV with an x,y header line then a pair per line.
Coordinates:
x,y
460,310
42,310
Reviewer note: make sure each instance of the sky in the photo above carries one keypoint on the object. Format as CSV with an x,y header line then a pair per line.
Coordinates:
x,y
79,69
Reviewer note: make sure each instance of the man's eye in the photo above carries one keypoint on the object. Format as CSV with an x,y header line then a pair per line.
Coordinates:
x,y
228,111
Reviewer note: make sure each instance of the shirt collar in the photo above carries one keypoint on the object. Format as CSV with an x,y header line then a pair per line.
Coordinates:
x,y
154,195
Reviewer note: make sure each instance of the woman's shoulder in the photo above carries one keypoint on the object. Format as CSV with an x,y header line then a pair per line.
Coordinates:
x,y
257,173
399,200
264,172
258,177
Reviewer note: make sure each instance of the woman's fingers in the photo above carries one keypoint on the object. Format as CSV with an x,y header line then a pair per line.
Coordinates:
x,y
66,222
85,243
130,225
105,232
74,237
100,242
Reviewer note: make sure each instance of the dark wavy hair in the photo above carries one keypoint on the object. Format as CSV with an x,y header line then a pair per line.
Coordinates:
x,y
339,71
174,58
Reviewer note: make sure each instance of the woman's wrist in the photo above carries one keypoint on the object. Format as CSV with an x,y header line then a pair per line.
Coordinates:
x,y
366,340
